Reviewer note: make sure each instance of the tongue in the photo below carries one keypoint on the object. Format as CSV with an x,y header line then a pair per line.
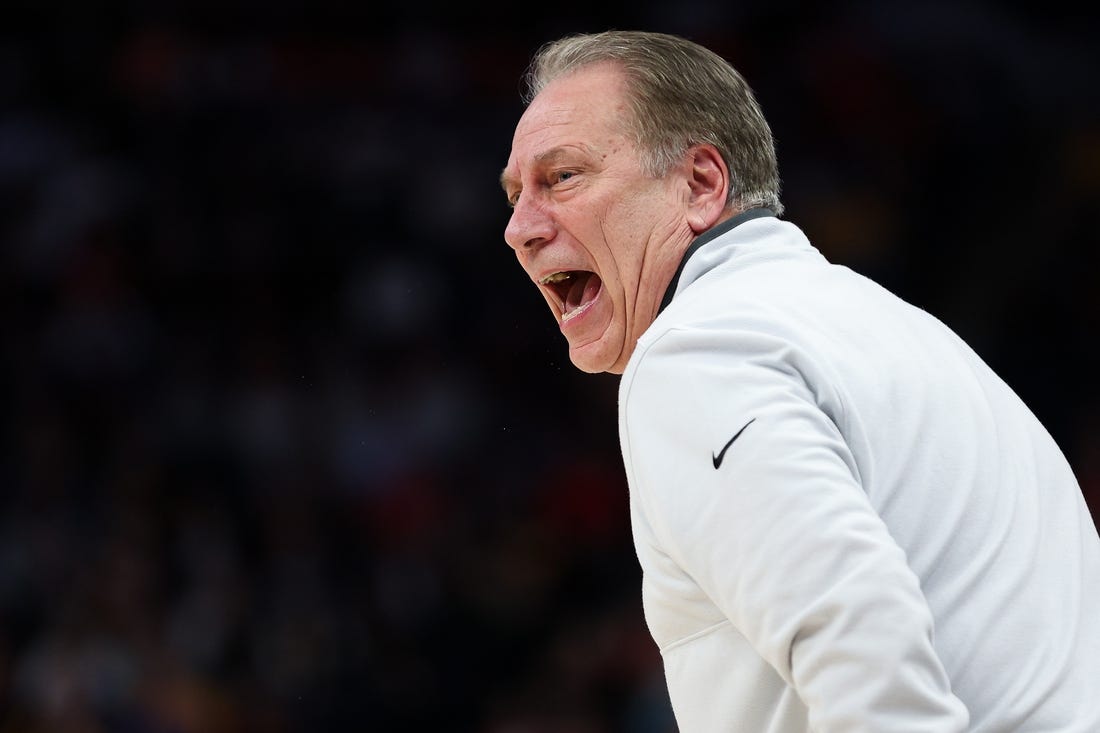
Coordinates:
x,y
584,289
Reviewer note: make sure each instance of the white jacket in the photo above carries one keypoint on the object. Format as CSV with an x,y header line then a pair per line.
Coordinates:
x,y
893,542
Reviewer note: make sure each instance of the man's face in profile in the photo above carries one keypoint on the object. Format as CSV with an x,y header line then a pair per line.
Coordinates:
x,y
587,219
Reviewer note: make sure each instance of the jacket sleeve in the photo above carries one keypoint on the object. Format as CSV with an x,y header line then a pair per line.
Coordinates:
x,y
781,535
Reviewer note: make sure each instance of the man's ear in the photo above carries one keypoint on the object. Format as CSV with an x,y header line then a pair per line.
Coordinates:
x,y
708,183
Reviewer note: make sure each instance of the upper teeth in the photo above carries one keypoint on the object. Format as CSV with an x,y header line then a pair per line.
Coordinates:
x,y
557,277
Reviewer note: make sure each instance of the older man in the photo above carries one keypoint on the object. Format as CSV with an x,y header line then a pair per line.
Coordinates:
x,y
844,519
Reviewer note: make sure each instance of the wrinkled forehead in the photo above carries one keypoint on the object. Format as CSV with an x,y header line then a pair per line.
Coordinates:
x,y
586,108
596,94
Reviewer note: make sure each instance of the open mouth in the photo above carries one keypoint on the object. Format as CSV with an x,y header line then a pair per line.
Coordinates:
x,y
575,290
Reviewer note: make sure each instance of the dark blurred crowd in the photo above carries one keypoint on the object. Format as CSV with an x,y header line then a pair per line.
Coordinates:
x,y
290,444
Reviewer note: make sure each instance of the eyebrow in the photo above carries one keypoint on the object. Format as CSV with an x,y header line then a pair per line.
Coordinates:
x,y
505,179
549,156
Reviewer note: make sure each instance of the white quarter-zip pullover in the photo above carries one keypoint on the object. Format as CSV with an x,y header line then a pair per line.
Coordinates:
x,y
892,541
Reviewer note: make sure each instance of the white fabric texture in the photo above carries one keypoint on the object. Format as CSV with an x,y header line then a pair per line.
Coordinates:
x,y
893,542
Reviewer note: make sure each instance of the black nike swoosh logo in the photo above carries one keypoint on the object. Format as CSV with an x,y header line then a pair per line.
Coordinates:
x,y
718,458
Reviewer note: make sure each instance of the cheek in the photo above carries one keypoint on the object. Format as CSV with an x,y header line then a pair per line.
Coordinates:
x,y
623,272
630,232
620,234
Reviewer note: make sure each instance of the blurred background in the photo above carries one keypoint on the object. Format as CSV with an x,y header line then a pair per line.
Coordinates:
x,y
289,443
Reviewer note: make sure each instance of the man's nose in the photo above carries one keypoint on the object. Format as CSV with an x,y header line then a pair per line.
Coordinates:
x,y
529,226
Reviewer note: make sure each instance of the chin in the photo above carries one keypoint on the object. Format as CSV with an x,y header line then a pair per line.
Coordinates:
x,y
586,365
596,358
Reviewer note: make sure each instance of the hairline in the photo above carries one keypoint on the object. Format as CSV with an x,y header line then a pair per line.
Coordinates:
x,y
658,150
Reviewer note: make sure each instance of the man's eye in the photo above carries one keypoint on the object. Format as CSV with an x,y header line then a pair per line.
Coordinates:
x,y
563,176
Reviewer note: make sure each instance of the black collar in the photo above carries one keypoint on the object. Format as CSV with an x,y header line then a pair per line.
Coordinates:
x,y
705,237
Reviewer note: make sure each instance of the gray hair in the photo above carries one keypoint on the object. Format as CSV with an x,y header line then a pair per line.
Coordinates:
x,y
681,94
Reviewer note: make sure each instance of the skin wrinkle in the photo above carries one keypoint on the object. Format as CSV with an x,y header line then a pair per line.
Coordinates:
x,y
643,271
602,222
642,274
